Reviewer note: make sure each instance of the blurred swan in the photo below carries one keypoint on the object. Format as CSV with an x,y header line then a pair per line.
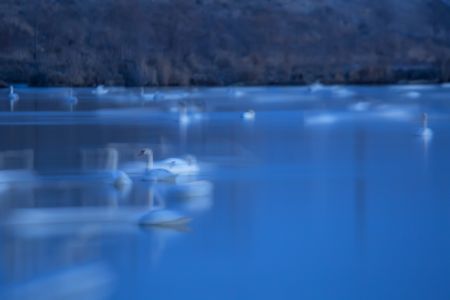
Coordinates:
x,y
412,95
100,90
236,93
13,97
152,173
95,215
425,132
249,115
71,99
360,106
119,178
316,87
179,166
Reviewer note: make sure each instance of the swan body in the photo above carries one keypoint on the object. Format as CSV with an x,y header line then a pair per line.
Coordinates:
x,y
100,90
83,215
360,106
13,97
120,179
179,166
163,217
235,93
249,115
316,87
413,95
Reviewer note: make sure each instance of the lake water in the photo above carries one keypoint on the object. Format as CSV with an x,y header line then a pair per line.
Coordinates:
x,y
327,193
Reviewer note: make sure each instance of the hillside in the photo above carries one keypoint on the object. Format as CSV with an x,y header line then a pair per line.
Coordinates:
x,y
221,42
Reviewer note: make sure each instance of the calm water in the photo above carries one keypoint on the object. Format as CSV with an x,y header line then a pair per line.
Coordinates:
x,y
328,193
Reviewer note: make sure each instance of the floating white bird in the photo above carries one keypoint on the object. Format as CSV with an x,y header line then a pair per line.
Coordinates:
x,y
316,87
151,173
120,179
71,99
163,218
100,90
236,93
249,115
412,95
13,97
179,166
100,215
425,132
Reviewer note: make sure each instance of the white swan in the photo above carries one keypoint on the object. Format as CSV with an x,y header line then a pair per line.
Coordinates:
x,y
152,173
13,97
94,215
316,87
120,179
412,95
425,132
71,99
100,90
249,115
179,166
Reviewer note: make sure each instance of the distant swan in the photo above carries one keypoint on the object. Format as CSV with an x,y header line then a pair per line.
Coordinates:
x,y
249,115
13,97
425,132
316,87
120,179
71,99
100,90
152,173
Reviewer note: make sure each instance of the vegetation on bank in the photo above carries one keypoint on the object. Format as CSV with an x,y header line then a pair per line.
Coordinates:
x,y
223,42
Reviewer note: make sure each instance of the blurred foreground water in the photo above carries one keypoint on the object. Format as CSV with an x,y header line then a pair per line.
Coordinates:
x,y
298,193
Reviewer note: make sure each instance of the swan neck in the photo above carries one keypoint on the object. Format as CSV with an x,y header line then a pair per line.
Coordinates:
x,y
149,161
113,159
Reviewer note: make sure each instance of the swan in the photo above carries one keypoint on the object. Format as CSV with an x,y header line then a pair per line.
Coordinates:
x,y
93,215
235,93
316,87
120,179
13,97
249,115
152,173
425,132
412,95
100,90
179,166
71,99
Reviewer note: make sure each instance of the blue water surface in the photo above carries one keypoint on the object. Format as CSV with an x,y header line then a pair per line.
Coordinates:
x,y
327,193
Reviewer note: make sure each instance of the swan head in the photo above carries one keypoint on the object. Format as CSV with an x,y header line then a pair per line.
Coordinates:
x,y
11,90
145,152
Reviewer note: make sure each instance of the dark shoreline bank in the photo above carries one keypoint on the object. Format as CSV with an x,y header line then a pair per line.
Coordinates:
x,y
223,42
